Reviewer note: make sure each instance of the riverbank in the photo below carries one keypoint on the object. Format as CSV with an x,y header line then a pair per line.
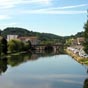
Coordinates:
x,y
77,57
15,53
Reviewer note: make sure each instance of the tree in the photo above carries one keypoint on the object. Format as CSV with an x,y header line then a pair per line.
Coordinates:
x,y
86,37
4,45
15,45
69,41
0,48
11,46
85,83
3,65
0,32
28,45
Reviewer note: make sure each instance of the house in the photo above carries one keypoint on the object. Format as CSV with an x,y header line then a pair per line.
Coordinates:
x,y
33,39
11,37
78,41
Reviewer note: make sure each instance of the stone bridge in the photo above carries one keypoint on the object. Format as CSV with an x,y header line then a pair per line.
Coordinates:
x,y
43,46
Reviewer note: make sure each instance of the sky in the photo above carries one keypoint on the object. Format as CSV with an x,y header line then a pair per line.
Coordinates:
x,y
60,17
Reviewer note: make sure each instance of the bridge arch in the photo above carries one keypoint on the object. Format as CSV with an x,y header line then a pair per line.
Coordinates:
x,y
53,47
49,48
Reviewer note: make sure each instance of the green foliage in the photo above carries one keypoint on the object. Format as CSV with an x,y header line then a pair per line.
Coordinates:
x,y
43,37
24,32
3,65
85,84
0,32
47,37
15,45
0,48
16,31
3,45
86,37
12,46
69,41
79,34
27,45
15,60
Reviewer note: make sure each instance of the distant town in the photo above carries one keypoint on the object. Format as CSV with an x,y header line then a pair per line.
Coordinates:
x,y
14,40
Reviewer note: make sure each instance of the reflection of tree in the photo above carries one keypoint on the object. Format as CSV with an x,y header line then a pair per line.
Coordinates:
x,y
45,53
3,65
85,83
15,60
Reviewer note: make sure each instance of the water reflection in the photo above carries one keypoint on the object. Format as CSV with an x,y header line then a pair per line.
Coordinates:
x,y
3,65
85,83
42,70
15,60
86,80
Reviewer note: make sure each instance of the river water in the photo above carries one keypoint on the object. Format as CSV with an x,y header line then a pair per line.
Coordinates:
x,y
42,71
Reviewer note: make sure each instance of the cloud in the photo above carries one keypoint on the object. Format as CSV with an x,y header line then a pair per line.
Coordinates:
x,y
40,1
3,25
10,24
4,17
45,1
54,11
58,10
65,78
9,8
66,7
54,76
12,3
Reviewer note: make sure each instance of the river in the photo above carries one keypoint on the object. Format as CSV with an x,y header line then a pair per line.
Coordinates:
x,y
42,71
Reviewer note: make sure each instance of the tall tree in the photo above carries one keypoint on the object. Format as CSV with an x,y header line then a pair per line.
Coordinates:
x,y
0,48
86,36
0,32
4,45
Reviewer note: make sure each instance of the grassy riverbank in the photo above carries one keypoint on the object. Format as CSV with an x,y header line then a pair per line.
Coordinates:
x,y
77,57
15,53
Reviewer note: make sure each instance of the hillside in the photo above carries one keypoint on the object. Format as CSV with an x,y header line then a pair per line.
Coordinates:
x,y
79,34
25,32
44,37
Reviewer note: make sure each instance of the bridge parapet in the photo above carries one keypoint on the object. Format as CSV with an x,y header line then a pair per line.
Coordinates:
x,y
43,46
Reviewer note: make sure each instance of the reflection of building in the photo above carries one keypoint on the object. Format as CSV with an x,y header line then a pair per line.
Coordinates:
x,y
34,40
10,37
78,41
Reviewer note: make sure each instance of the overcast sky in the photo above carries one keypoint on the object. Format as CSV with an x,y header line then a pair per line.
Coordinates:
x,y
61,17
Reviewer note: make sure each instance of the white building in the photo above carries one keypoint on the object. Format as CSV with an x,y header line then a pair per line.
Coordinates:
x,y
10,37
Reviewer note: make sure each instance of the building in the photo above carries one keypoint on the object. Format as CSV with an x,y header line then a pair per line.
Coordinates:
x,y
34,40
78,41
11,37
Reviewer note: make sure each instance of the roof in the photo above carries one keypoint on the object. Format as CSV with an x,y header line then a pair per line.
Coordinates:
x,y
33,37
